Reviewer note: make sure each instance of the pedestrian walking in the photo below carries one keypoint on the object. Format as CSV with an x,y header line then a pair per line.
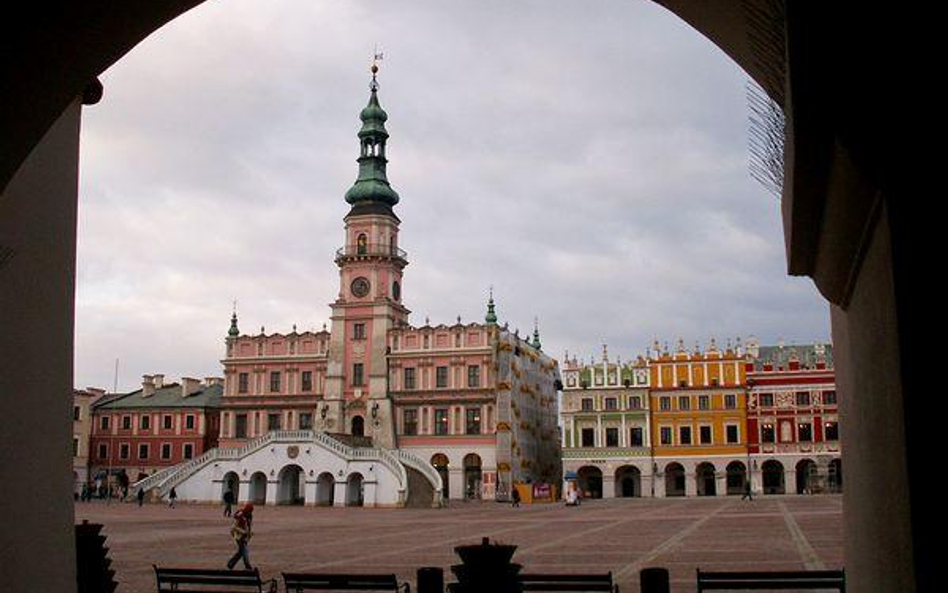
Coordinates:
x,y
747,491
228,503
141,496
515,496
241,532
172,497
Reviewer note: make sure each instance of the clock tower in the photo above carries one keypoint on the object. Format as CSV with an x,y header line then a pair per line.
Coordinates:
x,y
369,303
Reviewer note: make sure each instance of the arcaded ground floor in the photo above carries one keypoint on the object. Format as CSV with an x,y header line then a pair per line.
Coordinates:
x,y
618,535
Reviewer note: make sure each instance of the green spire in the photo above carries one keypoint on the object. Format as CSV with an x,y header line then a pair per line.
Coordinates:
x,y
491,317
233,332
536,334
371,192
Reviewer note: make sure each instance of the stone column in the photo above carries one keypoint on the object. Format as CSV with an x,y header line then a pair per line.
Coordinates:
x,y
37,292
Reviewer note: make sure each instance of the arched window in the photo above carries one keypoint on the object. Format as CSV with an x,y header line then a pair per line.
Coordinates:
x,y
362,244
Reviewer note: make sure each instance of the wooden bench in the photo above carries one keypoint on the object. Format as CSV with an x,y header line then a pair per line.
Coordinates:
x,y
297,582
803,579
207,580
568,582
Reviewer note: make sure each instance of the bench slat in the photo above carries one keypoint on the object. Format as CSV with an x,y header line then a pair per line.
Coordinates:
x,y
207,580
341,581
567,582
774,580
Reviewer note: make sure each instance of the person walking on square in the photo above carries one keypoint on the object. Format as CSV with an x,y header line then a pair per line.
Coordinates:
x,y
228,503
747,491
515,495
242,531
141,496
172,497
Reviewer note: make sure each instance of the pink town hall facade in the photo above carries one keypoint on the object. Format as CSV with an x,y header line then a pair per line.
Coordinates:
x,y
373,410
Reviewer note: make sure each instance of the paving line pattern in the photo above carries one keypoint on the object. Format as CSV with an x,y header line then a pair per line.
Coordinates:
x,y
810,558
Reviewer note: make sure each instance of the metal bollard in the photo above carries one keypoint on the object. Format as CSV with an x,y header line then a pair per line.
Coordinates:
x,y
654,580
430,579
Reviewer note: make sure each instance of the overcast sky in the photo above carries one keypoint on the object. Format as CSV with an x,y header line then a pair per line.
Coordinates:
x,y
587,159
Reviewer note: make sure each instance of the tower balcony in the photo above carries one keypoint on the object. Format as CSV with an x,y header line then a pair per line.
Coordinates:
x,y
371,251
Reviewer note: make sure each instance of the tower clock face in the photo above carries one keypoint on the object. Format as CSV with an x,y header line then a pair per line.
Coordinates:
x,y
360,287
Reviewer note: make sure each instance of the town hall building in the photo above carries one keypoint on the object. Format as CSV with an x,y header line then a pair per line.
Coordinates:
x,y
373,410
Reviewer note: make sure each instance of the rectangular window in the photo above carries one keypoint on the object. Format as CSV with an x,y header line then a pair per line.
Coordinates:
x,y
588,437
704,402
829,398
104,423
307,381
358,369
635,402
240,426
730,401
831,431
665,435
273,422
274,381
103,451
126,422
76,413
358,331
441,377
767,433
188,451
733,434
409,378
636,436
75,447
410,421
684,403
665,403
612,437
166,451
143,451
803,398
189,421
123,451
306,420
587,404
472,420
167,421
243,383
441,421
704,433
684,435
766,400
144,422
804,432
473,376
611,403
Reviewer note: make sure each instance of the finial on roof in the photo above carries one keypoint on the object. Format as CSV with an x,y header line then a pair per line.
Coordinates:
x,y
536,333
233,332
491,317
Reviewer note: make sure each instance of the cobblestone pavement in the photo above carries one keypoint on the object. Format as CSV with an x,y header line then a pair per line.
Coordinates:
x,y
621,535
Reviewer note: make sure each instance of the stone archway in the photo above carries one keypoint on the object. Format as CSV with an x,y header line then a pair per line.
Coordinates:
x,y
590,481
674,479
440,462
628,482
736,477
355,495
231,482
705,482
807,477
772,477
290,486
325,490
472,476
258,488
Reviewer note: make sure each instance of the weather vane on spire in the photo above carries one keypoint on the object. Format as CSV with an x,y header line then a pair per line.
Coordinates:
x,y
376,58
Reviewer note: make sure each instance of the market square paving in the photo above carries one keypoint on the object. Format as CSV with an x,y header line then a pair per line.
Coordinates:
x,y
618,535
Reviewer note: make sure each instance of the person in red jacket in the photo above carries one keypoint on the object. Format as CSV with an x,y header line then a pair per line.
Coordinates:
x,y
242,531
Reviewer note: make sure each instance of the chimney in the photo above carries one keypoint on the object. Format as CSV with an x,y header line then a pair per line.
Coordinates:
x,y
189,386
148,385
159,381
